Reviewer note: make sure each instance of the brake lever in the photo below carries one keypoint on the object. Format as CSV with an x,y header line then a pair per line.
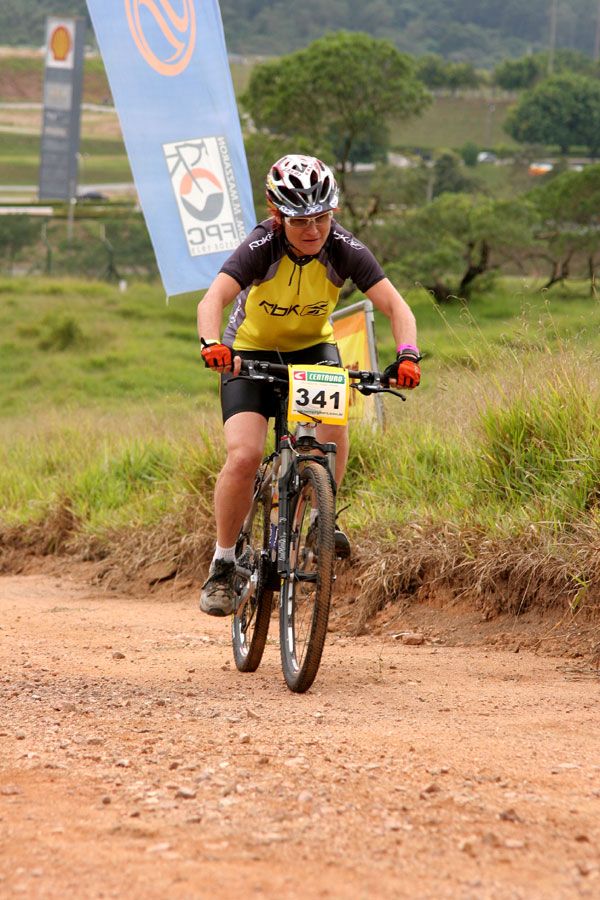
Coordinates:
x,y
395,393
376,389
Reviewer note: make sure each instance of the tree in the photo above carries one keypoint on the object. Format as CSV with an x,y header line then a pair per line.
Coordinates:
x,y
431,69
469,152
518,74
569,207
563,110
448,175
435,72
341,90
524,73
461,75
482,32
450,244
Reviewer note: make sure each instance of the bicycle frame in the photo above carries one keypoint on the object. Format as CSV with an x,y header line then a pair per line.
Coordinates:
x,y
290,452
287,457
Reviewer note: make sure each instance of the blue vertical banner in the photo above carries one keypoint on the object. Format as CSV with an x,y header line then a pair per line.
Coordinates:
x,y
169,75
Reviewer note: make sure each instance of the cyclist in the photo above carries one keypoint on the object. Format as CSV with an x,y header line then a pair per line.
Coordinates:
x,y
285,279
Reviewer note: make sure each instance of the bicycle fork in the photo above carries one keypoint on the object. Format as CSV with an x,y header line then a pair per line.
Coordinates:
x,y
287,486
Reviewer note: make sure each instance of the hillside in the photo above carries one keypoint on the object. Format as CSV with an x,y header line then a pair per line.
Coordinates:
x,y
481,33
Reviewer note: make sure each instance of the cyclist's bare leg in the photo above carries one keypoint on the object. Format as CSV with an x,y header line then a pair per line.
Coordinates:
x,y
245,436
338,434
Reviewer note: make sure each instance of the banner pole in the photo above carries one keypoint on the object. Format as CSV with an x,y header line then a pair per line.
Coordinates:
x,y
380,411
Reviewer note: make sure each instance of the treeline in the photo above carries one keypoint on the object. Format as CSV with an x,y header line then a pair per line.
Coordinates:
x,y
481,33
23,22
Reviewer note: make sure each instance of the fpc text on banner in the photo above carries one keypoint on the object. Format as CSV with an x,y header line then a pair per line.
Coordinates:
x,y
205,188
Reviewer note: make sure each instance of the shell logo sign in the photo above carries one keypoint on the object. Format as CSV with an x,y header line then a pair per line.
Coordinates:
x,y
60,43
165,38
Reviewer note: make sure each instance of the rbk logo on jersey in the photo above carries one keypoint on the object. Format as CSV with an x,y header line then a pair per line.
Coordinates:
x,y
312,309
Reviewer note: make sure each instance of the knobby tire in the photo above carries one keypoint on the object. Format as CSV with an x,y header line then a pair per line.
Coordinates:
x,y
250,626
306,593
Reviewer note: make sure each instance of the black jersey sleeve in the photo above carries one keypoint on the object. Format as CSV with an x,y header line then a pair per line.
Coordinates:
x,y
352,259
251,260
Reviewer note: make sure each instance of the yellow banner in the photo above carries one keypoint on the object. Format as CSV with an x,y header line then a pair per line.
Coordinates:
x,y
351,336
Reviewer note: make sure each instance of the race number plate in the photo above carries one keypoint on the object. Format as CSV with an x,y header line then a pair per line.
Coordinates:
x,y
318,393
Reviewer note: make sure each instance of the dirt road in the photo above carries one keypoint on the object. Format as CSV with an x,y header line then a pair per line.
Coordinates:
x,y
136,762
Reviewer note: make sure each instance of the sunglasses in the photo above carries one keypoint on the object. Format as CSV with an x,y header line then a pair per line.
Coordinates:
x,y
304,221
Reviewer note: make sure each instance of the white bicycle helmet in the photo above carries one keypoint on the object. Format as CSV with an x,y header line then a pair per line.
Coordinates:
x,y
301,186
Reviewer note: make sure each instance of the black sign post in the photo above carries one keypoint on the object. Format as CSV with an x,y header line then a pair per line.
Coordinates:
x,y
63,83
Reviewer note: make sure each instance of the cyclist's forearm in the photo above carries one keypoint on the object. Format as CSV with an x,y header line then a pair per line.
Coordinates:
x,y
210,313
387,300
210,309
403,325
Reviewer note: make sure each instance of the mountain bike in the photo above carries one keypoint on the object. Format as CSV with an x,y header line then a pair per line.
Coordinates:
x,y
287,542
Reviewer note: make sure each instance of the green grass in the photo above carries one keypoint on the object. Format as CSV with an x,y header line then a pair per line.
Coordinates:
x,y
82,343
77,343
109,425
76,351
29,145
452,121
101,160
515,316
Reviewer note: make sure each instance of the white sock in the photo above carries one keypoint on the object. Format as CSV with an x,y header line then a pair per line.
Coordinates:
x,y
313,516
226,553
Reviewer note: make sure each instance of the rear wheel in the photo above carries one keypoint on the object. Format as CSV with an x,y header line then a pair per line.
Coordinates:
x,y
306,593
250,624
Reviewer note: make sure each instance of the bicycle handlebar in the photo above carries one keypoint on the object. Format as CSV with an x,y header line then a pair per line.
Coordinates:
x,y
369,382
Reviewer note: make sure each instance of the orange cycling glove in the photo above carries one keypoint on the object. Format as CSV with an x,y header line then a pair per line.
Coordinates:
x,y
406,369
216,355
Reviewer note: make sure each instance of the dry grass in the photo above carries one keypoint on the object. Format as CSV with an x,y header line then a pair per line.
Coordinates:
x,y
180,545
538,569
506,575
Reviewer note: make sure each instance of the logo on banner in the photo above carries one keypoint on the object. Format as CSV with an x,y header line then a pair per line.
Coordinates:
x,y
60,44
207,196
165,39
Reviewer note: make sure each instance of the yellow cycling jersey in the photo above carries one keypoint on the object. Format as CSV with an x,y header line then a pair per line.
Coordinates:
x,y
285,302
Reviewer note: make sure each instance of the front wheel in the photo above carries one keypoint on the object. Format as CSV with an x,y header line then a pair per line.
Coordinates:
x,y
306,593
250,624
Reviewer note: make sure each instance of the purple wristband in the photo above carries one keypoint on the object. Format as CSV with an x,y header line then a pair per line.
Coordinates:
x,y
412,347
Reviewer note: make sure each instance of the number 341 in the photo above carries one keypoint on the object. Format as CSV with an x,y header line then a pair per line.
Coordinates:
x,y
303,398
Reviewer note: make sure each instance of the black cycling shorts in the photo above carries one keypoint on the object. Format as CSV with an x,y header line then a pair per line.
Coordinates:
x,y
241,395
